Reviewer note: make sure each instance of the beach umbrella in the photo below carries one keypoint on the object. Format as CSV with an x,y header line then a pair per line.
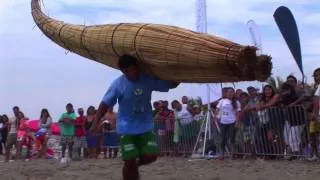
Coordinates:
x,y
34,125
55,129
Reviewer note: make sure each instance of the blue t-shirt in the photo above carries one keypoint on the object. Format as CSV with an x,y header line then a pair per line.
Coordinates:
x,y
135,111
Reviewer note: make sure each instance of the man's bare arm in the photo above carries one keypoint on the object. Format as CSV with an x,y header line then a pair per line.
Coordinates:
x,y
272,102
299,100
102,110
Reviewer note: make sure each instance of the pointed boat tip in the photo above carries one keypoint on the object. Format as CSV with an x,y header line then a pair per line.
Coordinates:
x,y
35,5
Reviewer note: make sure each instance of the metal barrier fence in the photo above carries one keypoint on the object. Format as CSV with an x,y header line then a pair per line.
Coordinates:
x,y
275,132
178,136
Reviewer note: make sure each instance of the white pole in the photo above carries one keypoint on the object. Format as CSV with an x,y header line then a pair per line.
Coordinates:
x,y
206,130
202,27
209,110
201,16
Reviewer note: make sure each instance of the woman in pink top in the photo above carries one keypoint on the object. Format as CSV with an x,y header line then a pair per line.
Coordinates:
x,y
22,131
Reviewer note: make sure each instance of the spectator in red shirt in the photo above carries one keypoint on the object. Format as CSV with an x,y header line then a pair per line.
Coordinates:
x,y
169,114
165,116
80,138
166,129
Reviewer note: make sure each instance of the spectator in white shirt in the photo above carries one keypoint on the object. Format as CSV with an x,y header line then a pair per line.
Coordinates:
x,y
228,109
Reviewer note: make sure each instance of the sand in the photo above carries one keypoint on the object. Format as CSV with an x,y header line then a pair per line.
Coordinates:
x,y
163,169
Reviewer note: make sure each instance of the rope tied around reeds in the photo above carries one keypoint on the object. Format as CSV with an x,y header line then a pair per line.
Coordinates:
x,y
137,53
112,38
83,44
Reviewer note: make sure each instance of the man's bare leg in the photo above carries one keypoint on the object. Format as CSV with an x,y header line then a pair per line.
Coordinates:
x,y
7,153
130,170
63,150
105,151
147,159
70,150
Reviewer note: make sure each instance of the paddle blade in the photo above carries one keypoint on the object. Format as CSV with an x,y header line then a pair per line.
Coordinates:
x,y
289,30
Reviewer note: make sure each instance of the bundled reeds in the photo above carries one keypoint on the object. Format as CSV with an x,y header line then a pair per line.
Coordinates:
x,y
169,52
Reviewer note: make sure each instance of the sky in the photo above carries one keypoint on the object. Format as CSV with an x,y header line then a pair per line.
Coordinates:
x,y
35,73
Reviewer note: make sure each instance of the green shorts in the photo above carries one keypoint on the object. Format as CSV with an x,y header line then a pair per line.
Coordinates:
x,y
134,146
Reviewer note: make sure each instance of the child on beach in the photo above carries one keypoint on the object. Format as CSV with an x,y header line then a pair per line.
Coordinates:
x,y
26,140
40,138
92,138
110,136
26,145
23,136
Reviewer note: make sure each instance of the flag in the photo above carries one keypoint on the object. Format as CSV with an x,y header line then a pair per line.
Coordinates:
x,y
289,30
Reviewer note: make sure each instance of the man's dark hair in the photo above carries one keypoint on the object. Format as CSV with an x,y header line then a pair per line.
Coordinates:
x,y
16,108
166,104
316,70
286,87
125,61
173,102
292,77
155,104
251,88
224,90
69,105
288,98
244,94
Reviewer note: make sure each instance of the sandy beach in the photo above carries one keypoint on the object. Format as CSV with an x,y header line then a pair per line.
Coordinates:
x,y
163,169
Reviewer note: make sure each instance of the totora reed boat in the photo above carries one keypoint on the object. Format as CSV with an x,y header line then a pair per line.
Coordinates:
x,y
168,52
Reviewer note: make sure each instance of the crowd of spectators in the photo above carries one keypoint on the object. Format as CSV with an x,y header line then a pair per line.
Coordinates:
x,y
275,122
18,140
271,123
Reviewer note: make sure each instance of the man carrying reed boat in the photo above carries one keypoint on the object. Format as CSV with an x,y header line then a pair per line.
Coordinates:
x,y
135,125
